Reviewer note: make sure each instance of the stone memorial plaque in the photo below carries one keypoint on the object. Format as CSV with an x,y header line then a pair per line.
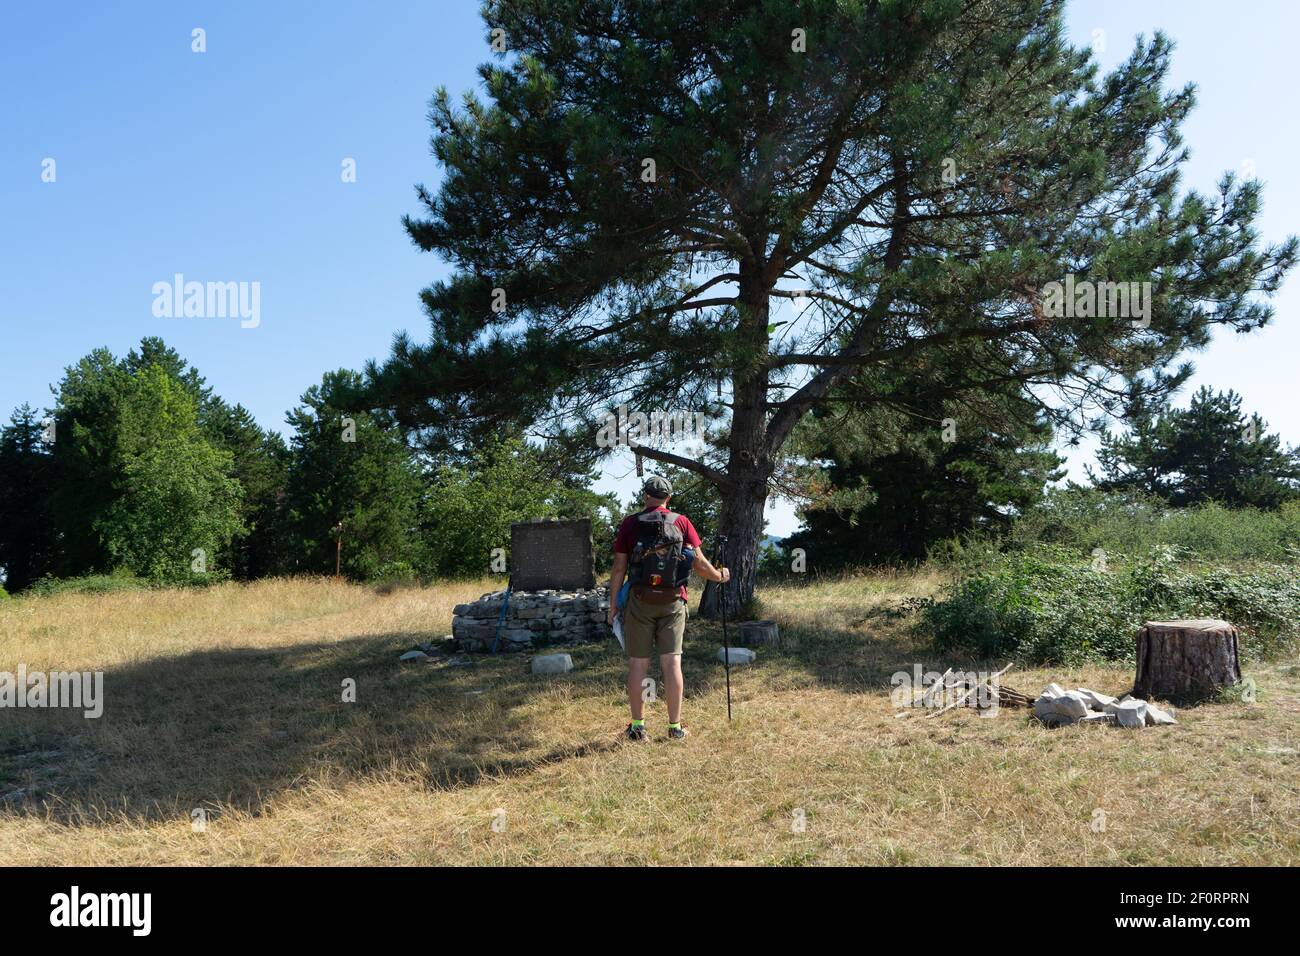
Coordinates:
x,y
552,555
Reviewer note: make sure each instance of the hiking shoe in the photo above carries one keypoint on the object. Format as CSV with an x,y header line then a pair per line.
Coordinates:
x,y
677,733
635,733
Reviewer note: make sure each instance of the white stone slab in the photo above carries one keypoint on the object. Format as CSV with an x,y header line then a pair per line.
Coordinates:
x,y
739,655
1095,700
1157,717
1130,713
1095,717
1070,704
552,664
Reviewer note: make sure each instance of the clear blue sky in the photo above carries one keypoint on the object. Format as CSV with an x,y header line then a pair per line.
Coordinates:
x,y
225,165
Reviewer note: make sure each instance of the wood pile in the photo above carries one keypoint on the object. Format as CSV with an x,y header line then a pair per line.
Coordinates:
x,y
957,690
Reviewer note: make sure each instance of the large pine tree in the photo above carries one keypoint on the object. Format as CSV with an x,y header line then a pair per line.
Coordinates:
x,y
652,183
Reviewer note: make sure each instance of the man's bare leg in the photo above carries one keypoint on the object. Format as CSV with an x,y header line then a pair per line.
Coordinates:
x,y
671,665
637,669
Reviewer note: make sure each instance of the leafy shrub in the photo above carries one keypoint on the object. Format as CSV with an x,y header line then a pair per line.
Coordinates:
x,y
1129,523
506,481
1234,534
393,576
4,595
1049,607
90,584
396,572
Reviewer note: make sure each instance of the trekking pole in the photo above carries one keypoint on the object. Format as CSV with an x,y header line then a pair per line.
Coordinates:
x,y
726,646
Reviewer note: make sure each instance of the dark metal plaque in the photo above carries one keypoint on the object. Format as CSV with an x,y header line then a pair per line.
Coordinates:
x,y
552,555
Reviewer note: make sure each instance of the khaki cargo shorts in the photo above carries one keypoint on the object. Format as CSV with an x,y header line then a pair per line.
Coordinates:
x,y
650,629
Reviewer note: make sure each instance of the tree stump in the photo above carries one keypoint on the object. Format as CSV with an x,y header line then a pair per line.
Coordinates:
x,y
1186,660
756,633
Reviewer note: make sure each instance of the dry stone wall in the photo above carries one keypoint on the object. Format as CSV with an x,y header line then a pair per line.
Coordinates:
x,y
533,619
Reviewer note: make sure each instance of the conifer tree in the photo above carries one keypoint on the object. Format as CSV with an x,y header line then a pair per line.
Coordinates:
x,y
746,208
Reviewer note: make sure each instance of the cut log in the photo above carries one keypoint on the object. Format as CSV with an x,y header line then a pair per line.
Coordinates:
x,y
1186,661
1010,697
758,633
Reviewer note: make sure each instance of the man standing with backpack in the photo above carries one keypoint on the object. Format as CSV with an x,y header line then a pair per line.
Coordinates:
x,y
656,550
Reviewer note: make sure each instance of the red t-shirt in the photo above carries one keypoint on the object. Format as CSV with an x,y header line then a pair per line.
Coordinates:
x,y
625,540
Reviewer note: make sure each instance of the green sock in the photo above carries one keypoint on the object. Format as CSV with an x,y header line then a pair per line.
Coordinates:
x,y
638,723
676,726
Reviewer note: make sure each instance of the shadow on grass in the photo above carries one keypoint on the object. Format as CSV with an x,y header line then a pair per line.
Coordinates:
x,y
235,727
455,777
861,655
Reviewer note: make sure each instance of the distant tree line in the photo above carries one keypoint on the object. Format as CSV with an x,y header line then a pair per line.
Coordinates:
x,y
916,484
139,468
1209,451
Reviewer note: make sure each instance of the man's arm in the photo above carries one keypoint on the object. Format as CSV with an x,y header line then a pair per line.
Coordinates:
x,y
616,575
706,570
701,565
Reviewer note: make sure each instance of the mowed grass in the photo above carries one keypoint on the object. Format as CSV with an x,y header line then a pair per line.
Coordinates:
x,y
229,701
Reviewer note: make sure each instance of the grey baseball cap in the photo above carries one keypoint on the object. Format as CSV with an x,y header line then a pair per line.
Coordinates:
x,y
657,487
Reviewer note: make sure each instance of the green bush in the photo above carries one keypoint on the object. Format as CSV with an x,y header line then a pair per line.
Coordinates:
x,y
396,572
1234,534
507,481
4,595
1048,607
1084,519
90,584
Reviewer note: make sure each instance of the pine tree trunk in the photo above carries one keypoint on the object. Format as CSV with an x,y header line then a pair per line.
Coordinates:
x,y
741,521
748,466
1186,660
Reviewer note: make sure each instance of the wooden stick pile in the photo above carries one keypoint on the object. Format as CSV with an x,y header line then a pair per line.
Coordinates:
x,y
951,683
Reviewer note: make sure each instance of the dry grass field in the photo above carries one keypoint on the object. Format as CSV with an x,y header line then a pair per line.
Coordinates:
x,y
229,700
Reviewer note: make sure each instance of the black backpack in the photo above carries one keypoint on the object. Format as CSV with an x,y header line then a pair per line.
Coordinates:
x,y
655,557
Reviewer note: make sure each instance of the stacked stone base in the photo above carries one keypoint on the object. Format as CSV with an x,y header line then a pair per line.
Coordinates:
x,y
533,619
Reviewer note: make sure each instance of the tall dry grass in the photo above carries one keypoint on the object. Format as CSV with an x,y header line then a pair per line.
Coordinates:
x,y
229,701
